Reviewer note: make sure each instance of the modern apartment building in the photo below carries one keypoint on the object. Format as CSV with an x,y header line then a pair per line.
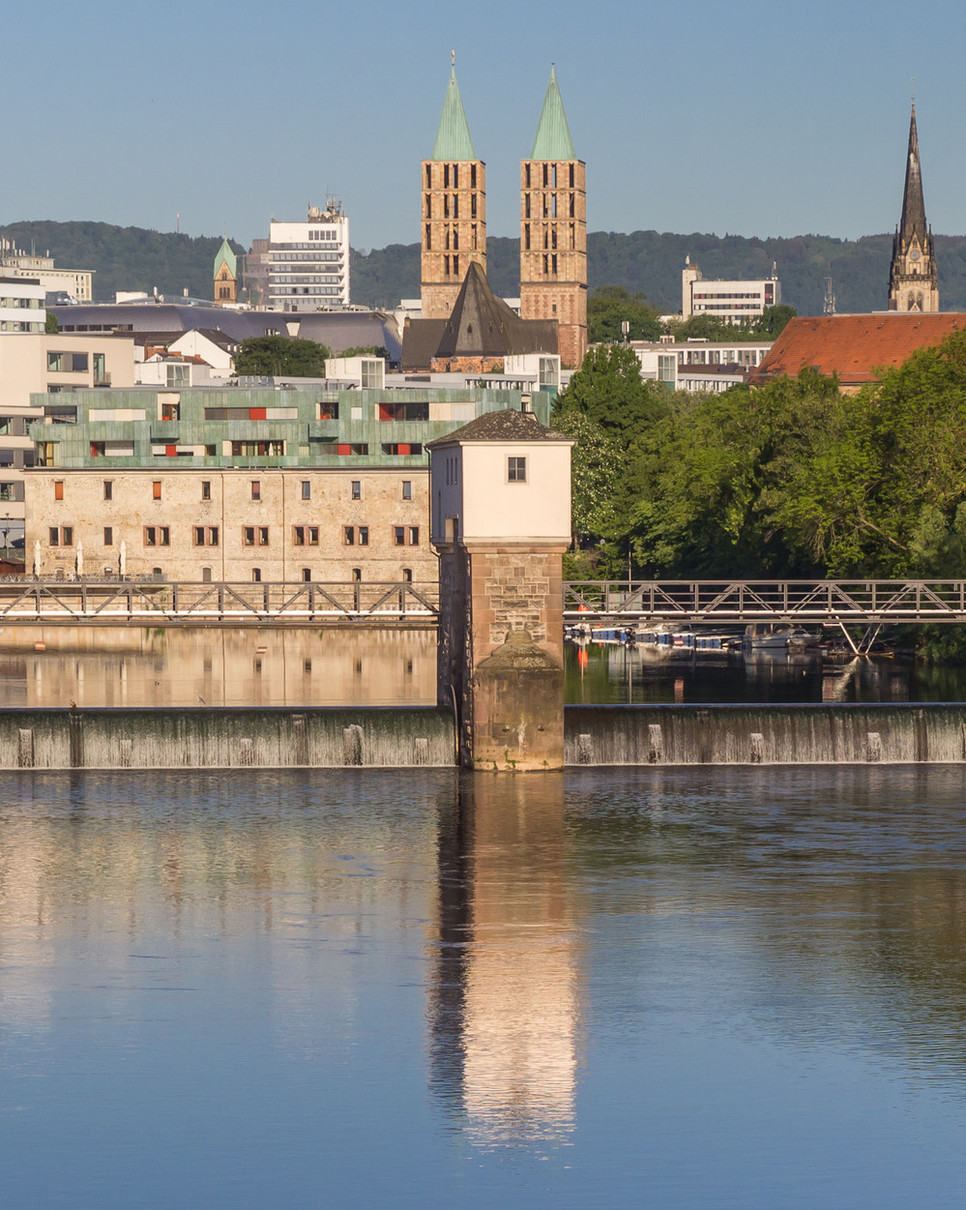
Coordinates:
x,y
238,484
21,304
302,266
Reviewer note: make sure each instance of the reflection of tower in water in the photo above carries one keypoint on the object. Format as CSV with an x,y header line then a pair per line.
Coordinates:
x,y
504,1004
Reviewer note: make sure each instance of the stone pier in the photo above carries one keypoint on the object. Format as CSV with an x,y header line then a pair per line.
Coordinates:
x,y
500,489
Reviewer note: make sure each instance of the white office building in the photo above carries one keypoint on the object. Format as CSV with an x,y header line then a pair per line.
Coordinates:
x,y
733,301
303,266
22,304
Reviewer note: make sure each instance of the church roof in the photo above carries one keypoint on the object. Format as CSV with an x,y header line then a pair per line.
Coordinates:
x,y
226,256
855,347
552,140
453,142
508,425
482,325
913,208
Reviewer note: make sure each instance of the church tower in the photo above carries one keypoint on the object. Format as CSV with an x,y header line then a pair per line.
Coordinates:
x,y
225,274
453,207
913,281
553,230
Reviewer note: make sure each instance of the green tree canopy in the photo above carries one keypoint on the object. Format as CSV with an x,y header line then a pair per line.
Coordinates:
x,y
281,356
609,390
609,306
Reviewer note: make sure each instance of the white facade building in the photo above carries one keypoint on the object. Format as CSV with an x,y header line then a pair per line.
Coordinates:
x,y
303,266
699,365
732,301
75,283
21,304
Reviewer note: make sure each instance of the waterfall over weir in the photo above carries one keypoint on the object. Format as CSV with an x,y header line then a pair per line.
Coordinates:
x,y
407,737
224,738
766,735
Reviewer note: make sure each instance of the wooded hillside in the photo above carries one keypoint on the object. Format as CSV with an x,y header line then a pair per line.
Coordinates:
x,y
648,262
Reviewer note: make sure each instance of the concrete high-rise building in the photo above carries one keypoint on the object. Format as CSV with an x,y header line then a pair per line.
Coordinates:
x,y
302,266
553,229
453,209
913,278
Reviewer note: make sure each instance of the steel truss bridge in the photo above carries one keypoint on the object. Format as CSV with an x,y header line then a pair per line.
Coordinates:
x,y
870,604
856,603
165,603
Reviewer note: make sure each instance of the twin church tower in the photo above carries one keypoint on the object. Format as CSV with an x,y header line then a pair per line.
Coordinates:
x,y
553,221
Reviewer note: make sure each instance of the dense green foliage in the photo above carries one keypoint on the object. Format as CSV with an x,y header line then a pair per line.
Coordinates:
x,y
643,262
281,356
794,478
609,307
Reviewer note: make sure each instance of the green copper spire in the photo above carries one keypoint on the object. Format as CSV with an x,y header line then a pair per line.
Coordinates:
x,y
225,254
552,140
453,142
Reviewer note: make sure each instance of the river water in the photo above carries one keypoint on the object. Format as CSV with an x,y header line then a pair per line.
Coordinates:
x,y
688,988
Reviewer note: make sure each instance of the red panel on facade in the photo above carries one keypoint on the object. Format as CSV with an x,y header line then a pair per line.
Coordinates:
x,y
256,413
345,449
403,448
171,451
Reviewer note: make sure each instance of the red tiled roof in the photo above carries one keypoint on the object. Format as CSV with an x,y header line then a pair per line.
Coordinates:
x,y
854,346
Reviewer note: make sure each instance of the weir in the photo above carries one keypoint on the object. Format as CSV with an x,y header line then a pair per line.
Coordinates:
x,y
401,737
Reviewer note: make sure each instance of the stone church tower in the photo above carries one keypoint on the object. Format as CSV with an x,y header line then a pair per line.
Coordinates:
x,y
225,274
553,230
453,209
913,281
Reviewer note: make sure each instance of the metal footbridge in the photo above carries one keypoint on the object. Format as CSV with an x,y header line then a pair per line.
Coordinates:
x,y
867,603
839,603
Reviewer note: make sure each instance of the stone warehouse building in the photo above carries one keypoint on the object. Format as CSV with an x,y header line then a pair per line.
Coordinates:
x,y
244,485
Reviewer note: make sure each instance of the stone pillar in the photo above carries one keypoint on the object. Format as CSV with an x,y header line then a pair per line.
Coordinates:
x,y
500,658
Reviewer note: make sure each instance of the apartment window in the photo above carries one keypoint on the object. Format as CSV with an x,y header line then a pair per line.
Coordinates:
x,y
353,534
256,489
205,489
156,489
356,489
405,535
407,575
255,535
206,535
108,489
414,535
58,489
399,535
306,574
516,470
157,535
407,489
108,535
306,490
256,575
363,535
53,536
305,535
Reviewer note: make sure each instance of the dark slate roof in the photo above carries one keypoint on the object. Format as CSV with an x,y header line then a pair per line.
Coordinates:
x,y
508,425
420,341
337,329
913,207
481,325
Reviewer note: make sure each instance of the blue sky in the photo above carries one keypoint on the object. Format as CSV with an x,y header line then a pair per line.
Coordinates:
x,y
751,118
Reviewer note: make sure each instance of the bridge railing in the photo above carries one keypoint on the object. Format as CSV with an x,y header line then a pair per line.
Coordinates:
x,y
158,601
803,601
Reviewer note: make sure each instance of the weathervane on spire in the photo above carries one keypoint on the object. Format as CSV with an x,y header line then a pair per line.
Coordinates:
x,y
452,55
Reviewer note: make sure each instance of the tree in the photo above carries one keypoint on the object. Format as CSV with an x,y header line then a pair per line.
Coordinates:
x,y
609,390
51,327
772,320
281,356
610,306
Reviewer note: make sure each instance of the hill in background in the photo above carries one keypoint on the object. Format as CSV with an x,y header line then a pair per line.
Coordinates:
x,y
646,262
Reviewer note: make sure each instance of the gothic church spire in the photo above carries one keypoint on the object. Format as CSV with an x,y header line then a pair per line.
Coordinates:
x,y
913,279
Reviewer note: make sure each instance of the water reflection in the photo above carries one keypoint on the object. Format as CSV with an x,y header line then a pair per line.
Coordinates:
x,y
695,981
277,666
614,673
504,1002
